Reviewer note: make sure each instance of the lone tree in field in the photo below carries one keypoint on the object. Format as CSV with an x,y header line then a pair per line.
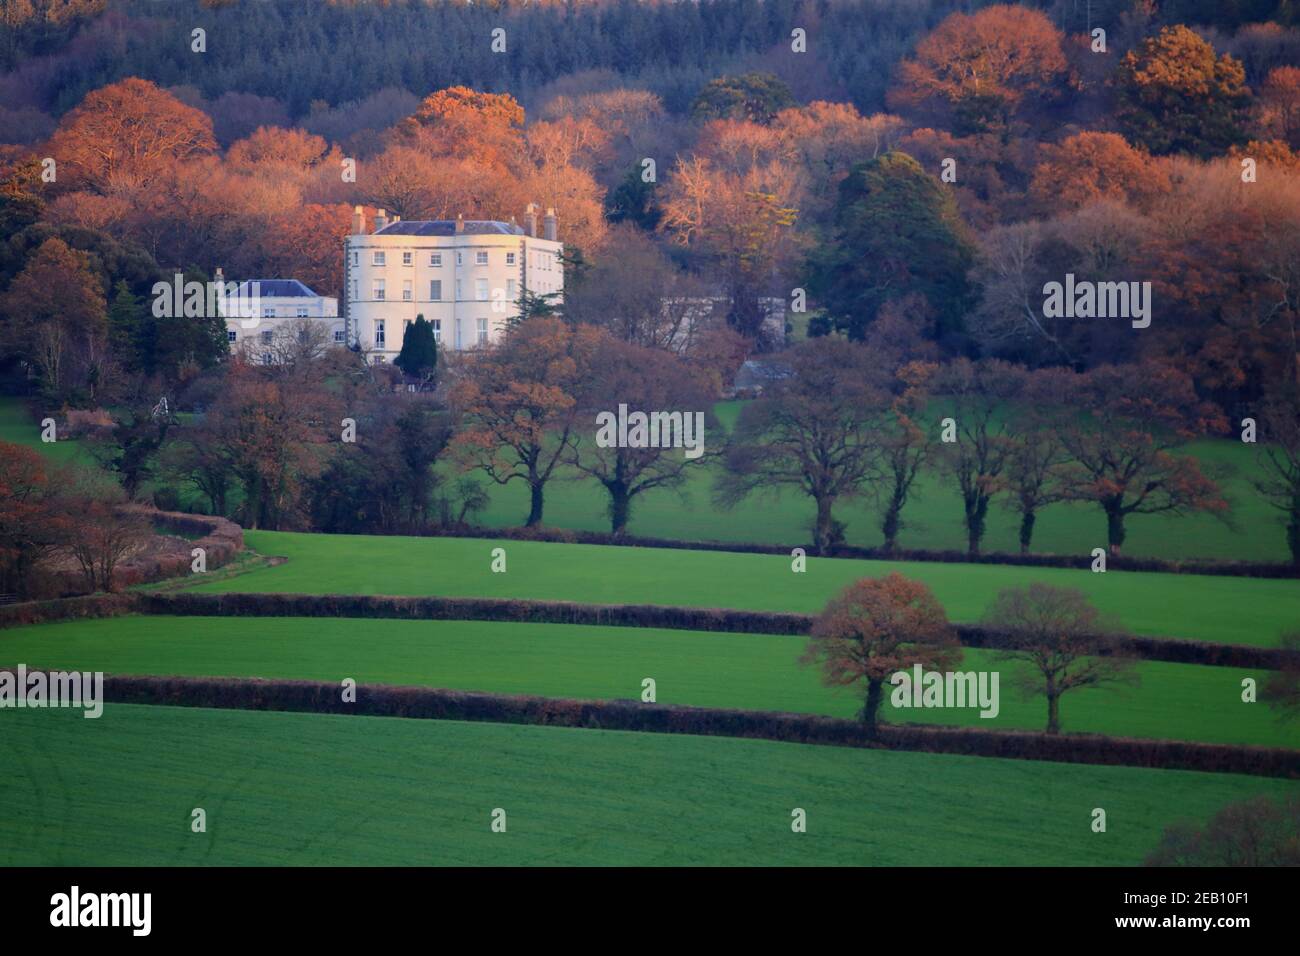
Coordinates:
x,y
1261,831
815,430
1129,421
419,355
1058,633
875,628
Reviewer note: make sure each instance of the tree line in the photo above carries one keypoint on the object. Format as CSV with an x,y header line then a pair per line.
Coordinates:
x,y
837,421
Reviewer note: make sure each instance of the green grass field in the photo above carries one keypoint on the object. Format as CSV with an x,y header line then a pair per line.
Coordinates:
x,y
754,672
18,427
313,789
1236,610
309,789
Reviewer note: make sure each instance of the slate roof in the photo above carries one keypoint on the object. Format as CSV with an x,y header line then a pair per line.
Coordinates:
x,y
278,288
447,227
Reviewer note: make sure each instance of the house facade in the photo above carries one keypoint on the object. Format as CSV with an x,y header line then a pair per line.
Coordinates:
x,y
275,308
464,276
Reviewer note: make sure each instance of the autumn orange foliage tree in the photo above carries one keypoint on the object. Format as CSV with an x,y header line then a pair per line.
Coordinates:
x,y
875,628
126,133
982,70
1175,95
1089,166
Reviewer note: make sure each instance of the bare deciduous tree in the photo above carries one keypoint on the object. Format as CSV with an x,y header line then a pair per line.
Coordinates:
x,y
1060,636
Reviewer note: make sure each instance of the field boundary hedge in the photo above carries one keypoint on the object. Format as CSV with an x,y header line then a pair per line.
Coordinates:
x,y
67,609
438,704
1120,562
235,604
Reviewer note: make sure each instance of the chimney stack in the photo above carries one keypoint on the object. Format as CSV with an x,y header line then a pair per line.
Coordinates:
x,y
358,221
551,225
530,216
460,223
381,219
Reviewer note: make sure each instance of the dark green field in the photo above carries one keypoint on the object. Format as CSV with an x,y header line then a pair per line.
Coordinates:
x,y
754,672
314,790
1232,609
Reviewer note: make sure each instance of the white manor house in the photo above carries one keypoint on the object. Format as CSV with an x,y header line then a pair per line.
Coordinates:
x,y
463,276
275,307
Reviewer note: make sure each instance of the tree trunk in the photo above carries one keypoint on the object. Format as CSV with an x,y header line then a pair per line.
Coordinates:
x,y
253,503
1053,712
620,507
889,527
536,504
1027,519
1293,532
871,709
1114,528
975,524
822,533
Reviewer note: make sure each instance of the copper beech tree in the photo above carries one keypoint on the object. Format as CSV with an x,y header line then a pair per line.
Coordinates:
x,y
875,628
126,134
